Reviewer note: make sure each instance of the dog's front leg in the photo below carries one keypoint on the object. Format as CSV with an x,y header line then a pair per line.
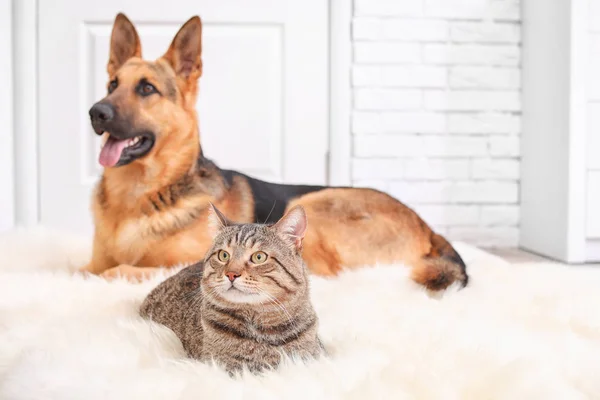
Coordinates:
x,y
100,262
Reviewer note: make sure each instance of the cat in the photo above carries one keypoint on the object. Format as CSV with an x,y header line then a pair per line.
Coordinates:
x,y
248,302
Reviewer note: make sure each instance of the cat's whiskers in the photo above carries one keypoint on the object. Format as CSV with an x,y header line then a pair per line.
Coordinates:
x,y
191,294
210,294
193,306
197,300
277,303
270,298
270,212
247,287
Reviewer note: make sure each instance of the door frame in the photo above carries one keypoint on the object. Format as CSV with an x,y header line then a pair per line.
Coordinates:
x,y
25,112
340,92
553,181
7,196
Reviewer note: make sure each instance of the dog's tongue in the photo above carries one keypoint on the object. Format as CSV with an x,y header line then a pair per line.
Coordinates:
x,y
111,152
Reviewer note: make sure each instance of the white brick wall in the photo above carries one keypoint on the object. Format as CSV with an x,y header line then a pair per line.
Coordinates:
x,y
436,118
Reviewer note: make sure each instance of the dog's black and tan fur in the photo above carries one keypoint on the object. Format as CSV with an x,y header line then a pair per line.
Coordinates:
x,y
151,204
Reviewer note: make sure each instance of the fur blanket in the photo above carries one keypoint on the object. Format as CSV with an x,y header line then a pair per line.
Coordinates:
x,y
517,331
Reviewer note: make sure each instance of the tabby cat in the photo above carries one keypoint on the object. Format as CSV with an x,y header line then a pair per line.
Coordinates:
x,y
248,302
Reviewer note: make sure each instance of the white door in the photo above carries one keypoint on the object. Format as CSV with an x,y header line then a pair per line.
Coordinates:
x,y
263,100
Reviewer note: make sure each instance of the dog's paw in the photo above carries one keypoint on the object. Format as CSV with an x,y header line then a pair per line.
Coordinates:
x,y
129,273
124,271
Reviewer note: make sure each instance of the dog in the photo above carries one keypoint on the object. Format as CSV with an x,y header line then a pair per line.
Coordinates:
x,y
150,204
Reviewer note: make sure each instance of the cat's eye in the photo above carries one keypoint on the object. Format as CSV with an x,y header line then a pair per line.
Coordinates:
x,y
223,256
259,257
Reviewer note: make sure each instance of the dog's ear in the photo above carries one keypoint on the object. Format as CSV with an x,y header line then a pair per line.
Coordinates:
x,y
216,220
292,227
185,53
124,43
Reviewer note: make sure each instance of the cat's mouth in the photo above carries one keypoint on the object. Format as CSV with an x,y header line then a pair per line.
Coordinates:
x,y
239,294
240,286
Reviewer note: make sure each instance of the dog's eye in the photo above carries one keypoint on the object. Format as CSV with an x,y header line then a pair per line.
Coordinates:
x,y
223,256
112,86
146,89
259,257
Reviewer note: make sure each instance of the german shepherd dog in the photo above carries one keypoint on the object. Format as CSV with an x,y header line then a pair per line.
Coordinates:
x,y
150,205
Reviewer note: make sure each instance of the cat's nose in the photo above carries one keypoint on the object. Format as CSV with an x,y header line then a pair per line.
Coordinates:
x,y
232,276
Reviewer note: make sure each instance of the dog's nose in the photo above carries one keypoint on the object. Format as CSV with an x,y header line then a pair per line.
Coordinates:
x,y
102,112
232,276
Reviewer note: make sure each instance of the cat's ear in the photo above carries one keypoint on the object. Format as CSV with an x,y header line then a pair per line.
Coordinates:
x,y
292,226
216,220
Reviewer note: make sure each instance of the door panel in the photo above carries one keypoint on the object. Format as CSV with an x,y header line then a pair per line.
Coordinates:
x,y
262,100
593,136
593,205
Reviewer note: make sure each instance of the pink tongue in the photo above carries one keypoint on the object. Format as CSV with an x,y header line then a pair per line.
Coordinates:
x,y
111,152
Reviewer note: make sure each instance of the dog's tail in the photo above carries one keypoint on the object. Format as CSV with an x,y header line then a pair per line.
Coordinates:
x,y
442,267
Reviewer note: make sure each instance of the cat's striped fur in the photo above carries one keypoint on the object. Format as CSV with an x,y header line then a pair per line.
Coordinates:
x,y
246,309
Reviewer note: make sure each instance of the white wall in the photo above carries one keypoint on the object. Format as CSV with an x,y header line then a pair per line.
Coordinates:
x,y
436,111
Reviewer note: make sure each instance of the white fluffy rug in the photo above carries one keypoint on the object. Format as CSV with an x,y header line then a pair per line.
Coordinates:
x,y
517,332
